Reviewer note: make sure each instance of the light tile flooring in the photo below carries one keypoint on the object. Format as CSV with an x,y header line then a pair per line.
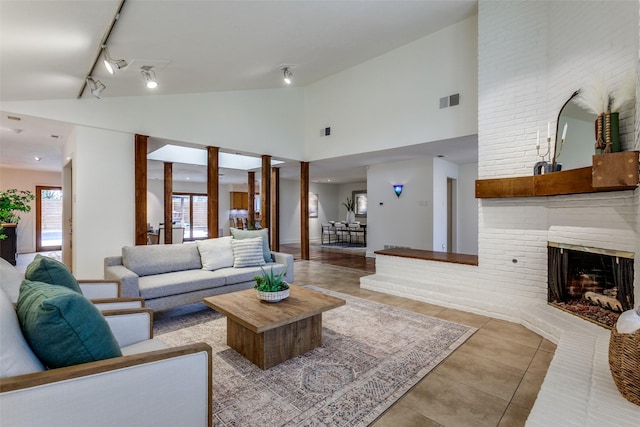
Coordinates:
x,y
491,380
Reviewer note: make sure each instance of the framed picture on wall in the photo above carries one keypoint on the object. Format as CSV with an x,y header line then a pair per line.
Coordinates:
x,y
313,205
360,201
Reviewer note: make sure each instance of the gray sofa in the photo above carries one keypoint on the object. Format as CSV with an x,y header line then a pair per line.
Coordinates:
x,y
168,276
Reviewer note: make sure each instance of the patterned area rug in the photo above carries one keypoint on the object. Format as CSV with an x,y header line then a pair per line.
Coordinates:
x,y
371,355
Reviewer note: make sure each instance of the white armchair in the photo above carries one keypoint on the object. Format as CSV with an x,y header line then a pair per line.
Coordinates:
x,y
150,385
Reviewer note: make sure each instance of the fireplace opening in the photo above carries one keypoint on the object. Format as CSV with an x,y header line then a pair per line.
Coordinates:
x,y
595,284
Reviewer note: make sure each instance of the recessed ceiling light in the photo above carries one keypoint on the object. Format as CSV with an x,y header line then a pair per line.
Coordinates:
x,y
188,178
37,159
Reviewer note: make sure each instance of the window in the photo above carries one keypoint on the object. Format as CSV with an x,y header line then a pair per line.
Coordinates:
x,y
190,211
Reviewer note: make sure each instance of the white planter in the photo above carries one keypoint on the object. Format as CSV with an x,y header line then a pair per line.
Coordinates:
x,y
351,217
273,296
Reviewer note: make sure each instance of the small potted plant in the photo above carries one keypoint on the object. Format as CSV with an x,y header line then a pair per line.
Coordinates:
x,y
351,207
271,288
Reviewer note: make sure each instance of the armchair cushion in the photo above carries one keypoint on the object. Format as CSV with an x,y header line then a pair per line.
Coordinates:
x,y
62,327
48,270
249,234
16,358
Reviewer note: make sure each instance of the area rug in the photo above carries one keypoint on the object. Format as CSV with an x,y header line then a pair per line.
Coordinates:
x,y
371,355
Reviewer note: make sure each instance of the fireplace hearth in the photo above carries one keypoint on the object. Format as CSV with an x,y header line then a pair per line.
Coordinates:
x,y
595,284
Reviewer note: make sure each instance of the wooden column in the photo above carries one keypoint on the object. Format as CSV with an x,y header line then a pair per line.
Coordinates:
x,y
275,208
140,172
168,208
213,182
304,210
265,194
251,210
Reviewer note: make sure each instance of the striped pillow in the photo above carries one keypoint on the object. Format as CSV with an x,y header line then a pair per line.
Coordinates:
x,y
247,252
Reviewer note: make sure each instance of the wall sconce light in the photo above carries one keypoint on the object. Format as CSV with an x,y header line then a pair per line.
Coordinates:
x,y
397,189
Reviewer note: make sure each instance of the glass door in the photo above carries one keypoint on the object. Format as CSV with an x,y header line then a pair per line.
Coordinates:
x,y
48,218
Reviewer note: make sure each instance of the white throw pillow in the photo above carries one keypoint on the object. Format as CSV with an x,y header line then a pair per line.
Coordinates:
x,y
16,357
247,252
215,253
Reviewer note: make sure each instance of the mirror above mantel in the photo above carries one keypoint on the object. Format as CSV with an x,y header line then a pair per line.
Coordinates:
x,y
578,147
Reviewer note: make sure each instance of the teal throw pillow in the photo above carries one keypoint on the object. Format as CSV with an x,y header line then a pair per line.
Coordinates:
x,y
249,234
48,270
62,327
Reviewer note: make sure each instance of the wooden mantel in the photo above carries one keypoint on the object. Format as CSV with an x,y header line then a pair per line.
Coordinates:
x,y
610,172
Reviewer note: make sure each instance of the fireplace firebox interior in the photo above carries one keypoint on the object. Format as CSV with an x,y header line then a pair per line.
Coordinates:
x,y
595,284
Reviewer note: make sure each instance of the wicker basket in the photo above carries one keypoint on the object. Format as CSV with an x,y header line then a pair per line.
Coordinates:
x,y
624,362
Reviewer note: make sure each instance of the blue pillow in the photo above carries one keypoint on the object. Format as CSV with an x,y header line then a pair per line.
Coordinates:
x,y
62,327
48,270
249,234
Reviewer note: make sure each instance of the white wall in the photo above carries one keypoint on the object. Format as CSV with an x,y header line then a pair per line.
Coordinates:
x,y
328,198
400,221
441,171
393,100
531,59
103,198
467,209
22,179
267,121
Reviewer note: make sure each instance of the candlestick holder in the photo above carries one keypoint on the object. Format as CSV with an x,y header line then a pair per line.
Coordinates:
x,y
548,153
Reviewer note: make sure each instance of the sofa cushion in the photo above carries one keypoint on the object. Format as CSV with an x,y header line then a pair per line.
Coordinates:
x,y
241,275
10,280
179,282
250,234
215,253
62,327
247,252
48,270
158,259
16,357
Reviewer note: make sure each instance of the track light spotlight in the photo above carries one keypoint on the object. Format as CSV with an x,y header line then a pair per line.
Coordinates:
x,y
96,87
149,76
287,75
112,65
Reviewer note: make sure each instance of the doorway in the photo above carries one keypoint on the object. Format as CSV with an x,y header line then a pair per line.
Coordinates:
x,y
48,218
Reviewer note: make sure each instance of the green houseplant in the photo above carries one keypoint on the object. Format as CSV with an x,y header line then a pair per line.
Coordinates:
x,y
11,202
271,288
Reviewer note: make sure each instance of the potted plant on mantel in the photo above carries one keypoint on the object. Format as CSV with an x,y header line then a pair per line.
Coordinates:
x,y
271,288
11,202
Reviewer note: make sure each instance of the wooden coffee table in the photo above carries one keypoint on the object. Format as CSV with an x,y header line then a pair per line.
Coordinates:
x,y
270,333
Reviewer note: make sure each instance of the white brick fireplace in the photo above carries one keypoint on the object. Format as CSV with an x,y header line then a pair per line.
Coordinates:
x,y
532,55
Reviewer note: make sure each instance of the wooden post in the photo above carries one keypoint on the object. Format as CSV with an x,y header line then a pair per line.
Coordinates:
x,y
168,203
275,207
265,194
251,210
140,172
213,195
304,210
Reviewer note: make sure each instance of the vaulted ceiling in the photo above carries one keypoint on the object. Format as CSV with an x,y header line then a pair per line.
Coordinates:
x,y
48,48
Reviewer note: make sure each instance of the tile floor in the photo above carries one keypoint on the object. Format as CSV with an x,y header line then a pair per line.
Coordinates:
x,y
491,380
